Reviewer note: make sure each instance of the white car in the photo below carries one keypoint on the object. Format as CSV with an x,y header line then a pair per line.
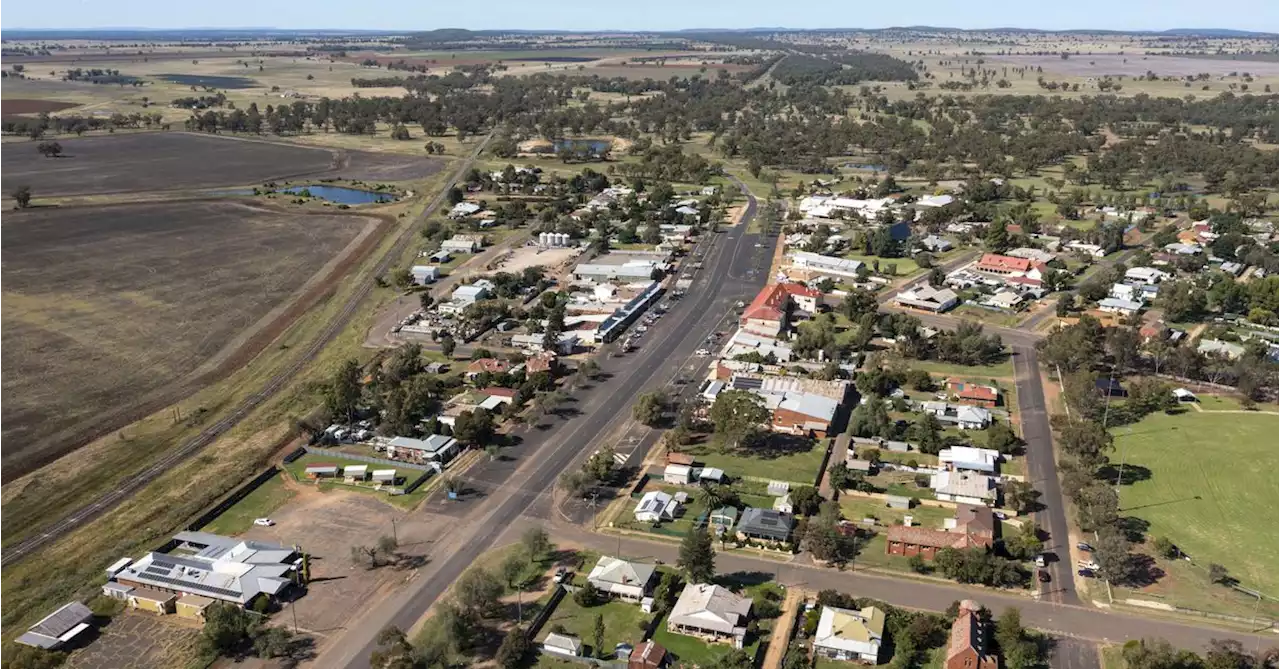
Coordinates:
x,y
702,351
264,522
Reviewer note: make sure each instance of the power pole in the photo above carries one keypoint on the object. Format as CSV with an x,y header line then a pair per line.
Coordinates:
x,y
394,535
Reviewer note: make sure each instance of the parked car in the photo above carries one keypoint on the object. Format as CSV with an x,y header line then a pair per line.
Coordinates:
x,y
1087,573
561,574
1043,576
264,522
1040,561
1084,547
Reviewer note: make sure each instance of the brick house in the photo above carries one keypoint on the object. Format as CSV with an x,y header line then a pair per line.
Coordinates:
x,y
973,393
994,263
967,646
974,527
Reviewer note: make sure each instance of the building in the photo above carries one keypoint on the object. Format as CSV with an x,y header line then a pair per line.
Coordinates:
x,y
656,506
723,519
769,312
967,646
962,416
936,244
1119,306
972,527
974,393
463,209
1005,298
678,474
222,568
994,263
1145,274
825,265
542,361
648,655
967,457
424,274
964,486
486,366
928,298
710,612
464,296
802,414
1087,249
355,473
435,448
622,266
1216,346
765,525
462,244
565,344
321,471
845,634
562,644
193,607
1034,255
58,628
628,580
934,201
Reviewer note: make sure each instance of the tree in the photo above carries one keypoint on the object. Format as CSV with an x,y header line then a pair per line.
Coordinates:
x,y
649,408
737,414
1165,548
455,195
536,542
996,239
49,149
363,553
227,630
697,557
343,395
1000,438
474,428
597,636
1021,496
477,591
512,567
667,591
1096,506
271,642
588,596
448,346
387,544
1183,301
1218,573
21,196
1112,555
1026,544
515,649
805,500
928,433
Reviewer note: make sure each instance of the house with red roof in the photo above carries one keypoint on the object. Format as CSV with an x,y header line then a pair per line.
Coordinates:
x,y
770,311
994,263
490,365
974,393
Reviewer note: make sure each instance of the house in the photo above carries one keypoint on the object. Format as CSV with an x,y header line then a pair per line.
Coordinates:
x,y
678,475
972,527
562,644
463,209
964,486
961,415
928,298
649,655
723,519
1086,249
932,201
486,366
239,571
974,393
463,244
424,274
1005,298
967,457
674,458
1232,268
967,647
542,361
58,628
1215,346
1145,274
710,612
1119,306
994,263
936,244
435,448
1183,249
825,265
845,634
765,525
656,506
1130,292
628,580
566,343
1034,255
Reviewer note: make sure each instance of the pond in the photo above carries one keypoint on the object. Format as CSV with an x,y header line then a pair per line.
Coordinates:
x,y
342,194
596,146
213,80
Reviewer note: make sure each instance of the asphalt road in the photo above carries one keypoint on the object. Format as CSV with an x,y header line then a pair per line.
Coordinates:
x,y
730,273
130,485
1061,620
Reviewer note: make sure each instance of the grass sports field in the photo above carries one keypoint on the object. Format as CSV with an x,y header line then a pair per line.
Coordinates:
x,y
1212,489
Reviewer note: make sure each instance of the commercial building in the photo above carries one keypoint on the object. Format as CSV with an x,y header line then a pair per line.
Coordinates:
x,y
967,647
840,268
221,568
435,448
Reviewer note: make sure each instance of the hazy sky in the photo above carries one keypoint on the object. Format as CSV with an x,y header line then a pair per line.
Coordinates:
x,y
408,15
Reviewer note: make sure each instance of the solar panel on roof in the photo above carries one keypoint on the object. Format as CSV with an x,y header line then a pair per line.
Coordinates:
x,y
192,585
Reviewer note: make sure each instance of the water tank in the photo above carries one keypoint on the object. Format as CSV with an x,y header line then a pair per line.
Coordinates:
x,y
562,239
544,239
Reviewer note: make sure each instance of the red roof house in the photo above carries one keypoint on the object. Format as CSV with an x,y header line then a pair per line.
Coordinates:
x,y
767,314
973,393
998,264
967,647
490,365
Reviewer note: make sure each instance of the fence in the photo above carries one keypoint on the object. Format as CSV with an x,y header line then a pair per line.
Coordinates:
x,y
365,458
539,620
231,499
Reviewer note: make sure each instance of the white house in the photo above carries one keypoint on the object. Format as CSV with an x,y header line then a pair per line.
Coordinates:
x,y
932,201
1085,248
656,506
963,486
1146,274
1119,306
961,415
928,298
1127,292
562,644
845,634
825,265
966,457
628,580
463,209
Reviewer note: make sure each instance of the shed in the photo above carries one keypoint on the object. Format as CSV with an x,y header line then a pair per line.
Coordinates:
x,y
678,474
562,644
355,472
711,474
58,627
779,488
321,471
898,502
383,476
1184,395
116,590
118,566
859,465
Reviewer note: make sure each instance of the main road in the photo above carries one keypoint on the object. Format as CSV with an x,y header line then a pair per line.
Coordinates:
x,y
732,270
333,328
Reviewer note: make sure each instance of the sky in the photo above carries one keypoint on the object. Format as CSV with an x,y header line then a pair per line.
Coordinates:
x,y
410,15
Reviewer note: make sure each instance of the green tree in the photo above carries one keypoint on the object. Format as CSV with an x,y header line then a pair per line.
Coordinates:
x,y
343,394
1020,496
393,650
996,238
515,649
597,636
805,500
588,596
697,557
477,591
649,408
22,196
537,543
512,567
272,642
448,346
227,630
737,414
474,428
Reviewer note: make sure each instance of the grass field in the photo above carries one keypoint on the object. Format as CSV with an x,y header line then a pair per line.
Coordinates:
x,y
1000,370
621,622
797,466
1212,488
258,504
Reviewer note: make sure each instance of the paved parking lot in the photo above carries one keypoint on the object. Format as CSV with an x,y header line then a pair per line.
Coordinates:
x,y
139,640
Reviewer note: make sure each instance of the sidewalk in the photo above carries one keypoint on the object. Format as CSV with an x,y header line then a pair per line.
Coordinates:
x,y
781,639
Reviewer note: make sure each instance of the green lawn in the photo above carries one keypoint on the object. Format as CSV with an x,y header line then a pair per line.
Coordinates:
x,y
621,622
258,504
857,508
798,466
298,469
904,266
1212,488
1002,369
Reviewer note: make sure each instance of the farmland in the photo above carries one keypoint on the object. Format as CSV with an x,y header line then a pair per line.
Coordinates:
x,y
105,306
171,161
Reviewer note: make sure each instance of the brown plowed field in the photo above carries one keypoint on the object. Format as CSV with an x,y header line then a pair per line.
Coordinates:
x,y
16,106
163,161
111,313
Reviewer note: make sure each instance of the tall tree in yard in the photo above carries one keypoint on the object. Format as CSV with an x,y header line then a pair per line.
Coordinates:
x,y
737,414
343,396
697,557
597,635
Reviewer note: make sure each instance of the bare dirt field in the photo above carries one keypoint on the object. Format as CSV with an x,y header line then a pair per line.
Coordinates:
x,y
327,525
29,106
533,256
107,308
1098,65
158,161
139,640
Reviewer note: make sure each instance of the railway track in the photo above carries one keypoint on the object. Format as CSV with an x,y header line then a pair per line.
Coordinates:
x,y
108,501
